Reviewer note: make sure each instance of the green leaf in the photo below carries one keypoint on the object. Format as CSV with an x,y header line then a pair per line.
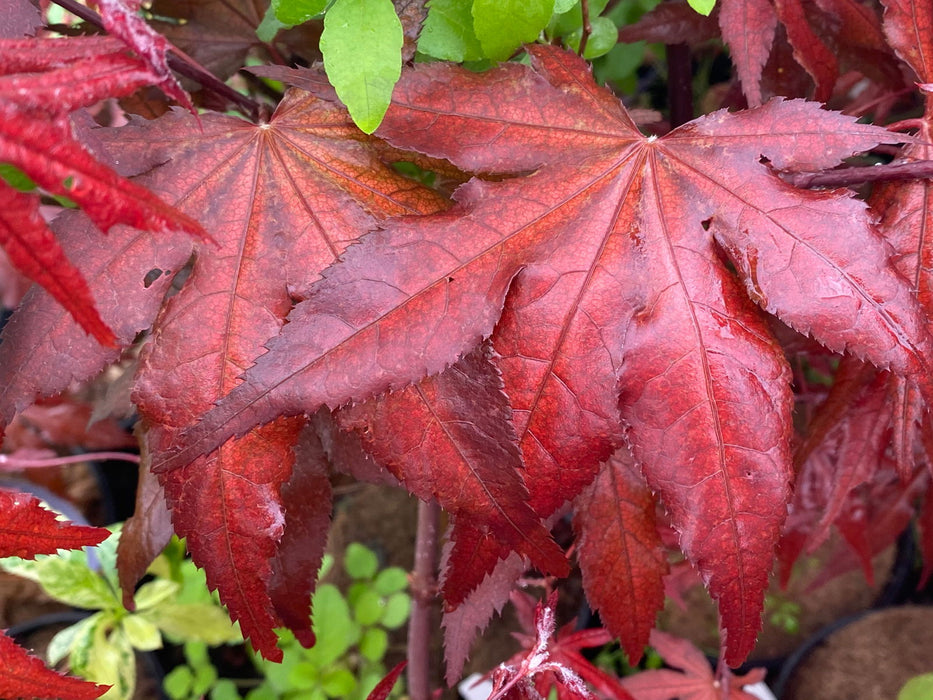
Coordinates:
x,y
368,608
196,653
620,63
203,622
204,677
362,48
178,683
562,6
63,642
269,27
447,32
603,37
338,683
292,12
327,563
70,582
225,689
152,593
360,561
16,178
704,7
917,688
391,580
335,630
396,611
107,659
303,676
141,633
374,643
263,692
503,25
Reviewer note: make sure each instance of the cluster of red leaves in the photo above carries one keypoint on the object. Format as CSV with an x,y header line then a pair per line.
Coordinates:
x,y
590,320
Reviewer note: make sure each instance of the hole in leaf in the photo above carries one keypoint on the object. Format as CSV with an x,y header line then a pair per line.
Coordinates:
x,y
705,224
151,276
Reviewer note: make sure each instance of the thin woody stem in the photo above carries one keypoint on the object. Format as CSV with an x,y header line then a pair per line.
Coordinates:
x,y
587,27
11,462
424,593
179,62
845,177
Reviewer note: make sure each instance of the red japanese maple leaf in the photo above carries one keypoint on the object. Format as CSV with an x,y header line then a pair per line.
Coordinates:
x,y
551,660
614,316
40,84
693,681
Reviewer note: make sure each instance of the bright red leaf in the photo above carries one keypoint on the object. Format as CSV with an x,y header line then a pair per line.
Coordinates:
x,y
39,86
384,687
620,553
693,681
466,460
614,278
324,190
122,19
25,676
28,529
553,661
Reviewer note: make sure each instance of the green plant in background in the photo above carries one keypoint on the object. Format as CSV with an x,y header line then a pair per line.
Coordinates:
x,y
477,32
347,661
352,634
175,604
782,613
917,688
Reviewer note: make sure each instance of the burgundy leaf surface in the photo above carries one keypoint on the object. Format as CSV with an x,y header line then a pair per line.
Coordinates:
x,y
39,86
620,553
614,279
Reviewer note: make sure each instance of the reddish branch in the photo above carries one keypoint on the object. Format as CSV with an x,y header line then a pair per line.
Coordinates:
x,y
587,27
844,177
424,594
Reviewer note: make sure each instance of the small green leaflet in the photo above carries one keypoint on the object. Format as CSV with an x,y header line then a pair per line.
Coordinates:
x,y
704,7
503,25
448,34
284,14
362,48
292,12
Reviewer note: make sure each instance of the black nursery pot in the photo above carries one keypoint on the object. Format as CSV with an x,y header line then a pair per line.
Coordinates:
x,y
868,656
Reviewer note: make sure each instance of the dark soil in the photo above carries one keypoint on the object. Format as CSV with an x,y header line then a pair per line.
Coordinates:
x,y
842,596
869,659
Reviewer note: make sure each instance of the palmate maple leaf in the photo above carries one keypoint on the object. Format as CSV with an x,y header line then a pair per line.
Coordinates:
x,y
693,681
41,82
600,278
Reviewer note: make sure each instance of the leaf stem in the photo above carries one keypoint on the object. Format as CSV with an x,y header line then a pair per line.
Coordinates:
x,y
587,27
424,593
679,84
8,462
179,62
845,177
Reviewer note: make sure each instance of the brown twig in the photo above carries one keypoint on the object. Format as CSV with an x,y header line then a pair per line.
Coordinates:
x,y
587,27
179,62
846,177
423,593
